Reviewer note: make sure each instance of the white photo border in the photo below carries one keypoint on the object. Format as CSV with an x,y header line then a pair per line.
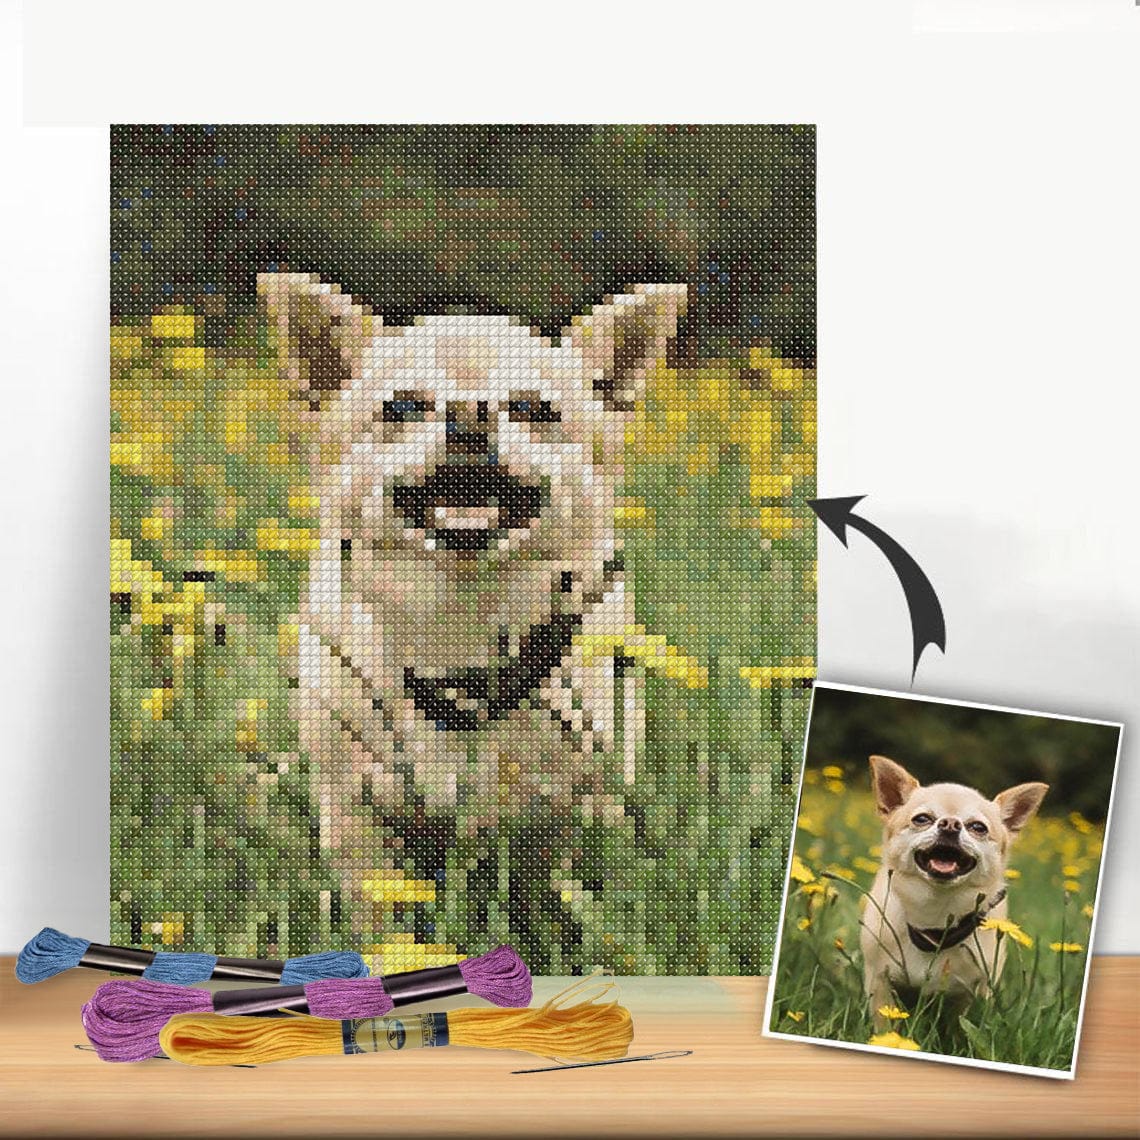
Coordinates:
x,y
943,1058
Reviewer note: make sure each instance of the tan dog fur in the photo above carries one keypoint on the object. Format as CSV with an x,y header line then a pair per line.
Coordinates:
x,y
904,892
403,600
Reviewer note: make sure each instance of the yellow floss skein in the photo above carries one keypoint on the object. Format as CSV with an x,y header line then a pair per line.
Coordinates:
x,y
587,1030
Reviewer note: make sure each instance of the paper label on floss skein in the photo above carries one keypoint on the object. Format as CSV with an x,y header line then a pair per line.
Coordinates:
x,y
378,1034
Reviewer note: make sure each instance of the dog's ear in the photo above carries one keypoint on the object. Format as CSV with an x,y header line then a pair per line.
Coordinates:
x,y
1019,804
621,339
321,334
892,784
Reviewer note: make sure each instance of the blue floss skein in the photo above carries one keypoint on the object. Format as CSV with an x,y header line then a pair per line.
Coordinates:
x,y
49,953
329,964
52,952
181,969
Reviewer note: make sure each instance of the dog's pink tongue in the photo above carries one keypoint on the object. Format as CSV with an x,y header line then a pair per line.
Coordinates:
x,y
944,866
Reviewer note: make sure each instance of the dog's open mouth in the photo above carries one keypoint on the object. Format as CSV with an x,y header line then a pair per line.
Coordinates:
x,y
467,506
945,861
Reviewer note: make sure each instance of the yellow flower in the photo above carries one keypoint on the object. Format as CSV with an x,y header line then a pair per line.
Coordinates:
x,y
813,889
1010,929
839,944
403,954
841,872
800,872
795,1015
1080,823
806,823
1087,910
803,923
893,1012
392,887
1012,873
187,357
775,676
630,512
297,541
1070,870
833,772
1072,886
172,326
1066,947
892,1040
650,650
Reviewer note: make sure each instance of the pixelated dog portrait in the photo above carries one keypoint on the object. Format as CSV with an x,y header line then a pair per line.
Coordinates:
x,y
462,578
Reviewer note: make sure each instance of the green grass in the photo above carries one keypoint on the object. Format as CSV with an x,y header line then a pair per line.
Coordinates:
x,y
1031,1019
215,839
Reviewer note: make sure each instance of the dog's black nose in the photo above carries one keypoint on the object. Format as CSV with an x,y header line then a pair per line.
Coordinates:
x,y
949,824
470,429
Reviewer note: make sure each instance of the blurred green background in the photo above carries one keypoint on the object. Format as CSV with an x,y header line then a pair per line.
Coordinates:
x,y
540,221
983,748
217,845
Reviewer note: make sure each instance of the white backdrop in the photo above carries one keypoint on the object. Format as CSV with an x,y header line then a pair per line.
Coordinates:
x,y
979,246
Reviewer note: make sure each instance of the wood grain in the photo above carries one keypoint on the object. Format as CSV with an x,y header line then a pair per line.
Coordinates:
x,y
736,1082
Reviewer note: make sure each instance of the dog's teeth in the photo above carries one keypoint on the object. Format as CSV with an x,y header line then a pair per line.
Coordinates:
x,y
466,518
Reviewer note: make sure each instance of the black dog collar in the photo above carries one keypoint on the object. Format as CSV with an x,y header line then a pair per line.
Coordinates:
x,y
931,939
482,695
467,699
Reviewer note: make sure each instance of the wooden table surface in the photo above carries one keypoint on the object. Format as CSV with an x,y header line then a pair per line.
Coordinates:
x,y
735,1082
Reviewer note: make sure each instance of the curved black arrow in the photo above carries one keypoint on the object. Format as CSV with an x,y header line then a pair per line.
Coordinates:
x,y
927,623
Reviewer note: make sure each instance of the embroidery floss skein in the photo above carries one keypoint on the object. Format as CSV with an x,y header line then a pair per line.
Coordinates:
x,y
51,952
588,1030
123,1018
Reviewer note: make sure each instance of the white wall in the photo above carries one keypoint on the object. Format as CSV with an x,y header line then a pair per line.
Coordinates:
x,y
979,247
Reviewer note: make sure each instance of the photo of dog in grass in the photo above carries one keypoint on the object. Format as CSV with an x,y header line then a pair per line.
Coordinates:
x,y
944,906
942,880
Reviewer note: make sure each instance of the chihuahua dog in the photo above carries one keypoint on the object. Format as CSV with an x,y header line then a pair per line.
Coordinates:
x,y
467,471
942,874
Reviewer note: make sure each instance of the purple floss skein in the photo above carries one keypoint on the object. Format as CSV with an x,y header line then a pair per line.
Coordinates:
x,y
124,1018
500,976
339,998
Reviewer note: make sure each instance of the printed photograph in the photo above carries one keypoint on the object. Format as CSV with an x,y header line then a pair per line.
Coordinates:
x,y
942,884
462,575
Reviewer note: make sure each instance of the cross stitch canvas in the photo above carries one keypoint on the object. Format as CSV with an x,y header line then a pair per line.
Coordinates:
x,y
462,577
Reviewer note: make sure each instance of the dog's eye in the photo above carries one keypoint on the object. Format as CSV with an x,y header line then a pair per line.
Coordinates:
x,y
404,408
978,828
923,819
533,411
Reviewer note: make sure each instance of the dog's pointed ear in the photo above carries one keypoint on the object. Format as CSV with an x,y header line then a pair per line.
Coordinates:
x,y
892,784
321,334
621,339
1019,804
